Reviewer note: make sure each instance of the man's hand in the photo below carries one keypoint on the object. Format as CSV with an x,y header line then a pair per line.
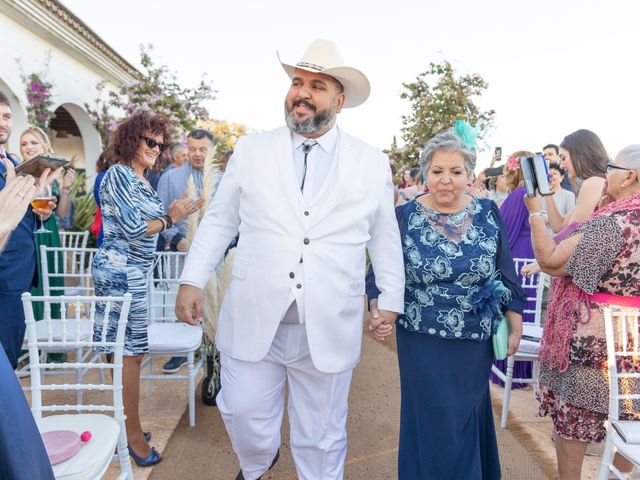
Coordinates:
x,y
190,304
380,321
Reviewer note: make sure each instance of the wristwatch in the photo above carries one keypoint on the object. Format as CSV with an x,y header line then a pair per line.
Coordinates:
x,y
169,221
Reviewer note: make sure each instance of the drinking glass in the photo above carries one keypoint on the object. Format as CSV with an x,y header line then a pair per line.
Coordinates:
x,y
42,202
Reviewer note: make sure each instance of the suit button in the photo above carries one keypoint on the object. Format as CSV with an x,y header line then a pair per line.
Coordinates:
x,y
292,275
298,286
306,241
306,213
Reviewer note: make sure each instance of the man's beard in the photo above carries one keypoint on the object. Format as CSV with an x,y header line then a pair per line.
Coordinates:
x,y
4,137
320,122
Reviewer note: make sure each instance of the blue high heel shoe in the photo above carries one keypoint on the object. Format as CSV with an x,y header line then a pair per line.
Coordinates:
x,y
153,458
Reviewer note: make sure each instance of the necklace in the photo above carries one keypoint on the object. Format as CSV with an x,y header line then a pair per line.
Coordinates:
x,y
457,219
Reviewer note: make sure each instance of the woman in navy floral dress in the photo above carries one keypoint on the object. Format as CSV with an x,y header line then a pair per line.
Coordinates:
x,y
460,280
132,217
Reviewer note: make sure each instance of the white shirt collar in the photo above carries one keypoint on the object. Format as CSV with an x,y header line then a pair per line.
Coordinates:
x,y
326,141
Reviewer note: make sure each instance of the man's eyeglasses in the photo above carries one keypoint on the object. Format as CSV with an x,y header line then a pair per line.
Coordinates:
x,y
611,167
151,143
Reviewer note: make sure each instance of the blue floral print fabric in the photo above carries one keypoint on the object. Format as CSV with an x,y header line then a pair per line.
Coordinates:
x,y
460,277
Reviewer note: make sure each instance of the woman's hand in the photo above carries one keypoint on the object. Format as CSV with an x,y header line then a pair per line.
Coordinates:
x,y
514,342
183,207
534,204
68,178
46,213
48,177
530,269
605,199
515,331
15,198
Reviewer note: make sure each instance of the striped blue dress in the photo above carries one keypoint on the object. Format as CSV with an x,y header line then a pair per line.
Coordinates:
x,y
124,261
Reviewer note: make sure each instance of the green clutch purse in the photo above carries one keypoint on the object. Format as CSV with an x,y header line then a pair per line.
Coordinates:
x,y
500,339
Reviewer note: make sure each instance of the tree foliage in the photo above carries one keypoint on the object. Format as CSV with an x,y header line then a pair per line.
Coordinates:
x,y
156,90
224,133
438,98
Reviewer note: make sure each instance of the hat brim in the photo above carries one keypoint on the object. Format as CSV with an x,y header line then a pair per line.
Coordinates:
x,y
355,83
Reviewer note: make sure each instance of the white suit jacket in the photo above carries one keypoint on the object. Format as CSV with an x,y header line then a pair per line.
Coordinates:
x,y
260,199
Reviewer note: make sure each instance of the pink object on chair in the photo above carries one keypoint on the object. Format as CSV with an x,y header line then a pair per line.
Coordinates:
x,y
61,445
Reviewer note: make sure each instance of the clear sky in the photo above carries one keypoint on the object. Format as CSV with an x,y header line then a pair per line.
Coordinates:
x,y
552,66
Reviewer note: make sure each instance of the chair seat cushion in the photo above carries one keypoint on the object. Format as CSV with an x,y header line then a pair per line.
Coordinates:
x,y
173,337
529,346
94,457
628,430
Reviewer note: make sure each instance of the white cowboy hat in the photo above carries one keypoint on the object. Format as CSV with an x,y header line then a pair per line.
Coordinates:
x,y
322,56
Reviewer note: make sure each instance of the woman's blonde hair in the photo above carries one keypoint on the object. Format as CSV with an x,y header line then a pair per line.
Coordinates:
x,y
514,176
40,135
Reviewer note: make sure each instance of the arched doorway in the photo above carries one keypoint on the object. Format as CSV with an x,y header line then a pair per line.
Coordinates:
x,y
19,115
73,136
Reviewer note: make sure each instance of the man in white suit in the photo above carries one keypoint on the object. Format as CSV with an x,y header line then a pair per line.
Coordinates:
x,y
307,200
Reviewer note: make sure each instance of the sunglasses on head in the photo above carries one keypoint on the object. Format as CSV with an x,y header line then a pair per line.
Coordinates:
x,y
151,143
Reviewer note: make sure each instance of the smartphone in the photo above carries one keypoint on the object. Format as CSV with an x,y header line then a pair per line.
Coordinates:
x,y
529,176
497,153
494,171
38,164
536,176
542,175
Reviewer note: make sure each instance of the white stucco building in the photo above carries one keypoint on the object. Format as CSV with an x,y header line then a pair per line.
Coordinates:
x,y
79,59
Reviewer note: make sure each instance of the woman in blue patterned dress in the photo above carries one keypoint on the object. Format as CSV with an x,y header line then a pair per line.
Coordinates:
x,y
132,216
460,280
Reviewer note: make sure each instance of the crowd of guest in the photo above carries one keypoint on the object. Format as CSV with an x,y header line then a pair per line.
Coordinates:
x,y
459,234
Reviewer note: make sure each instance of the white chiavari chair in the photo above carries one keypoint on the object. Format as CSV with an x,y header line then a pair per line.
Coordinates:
x,y
167,336
623,347
68,332
70,239
532,333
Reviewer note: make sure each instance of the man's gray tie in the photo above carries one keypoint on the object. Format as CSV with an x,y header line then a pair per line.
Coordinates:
x,y
306,148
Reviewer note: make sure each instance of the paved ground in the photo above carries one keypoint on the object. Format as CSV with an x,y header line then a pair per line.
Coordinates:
x,y
526,450
205,451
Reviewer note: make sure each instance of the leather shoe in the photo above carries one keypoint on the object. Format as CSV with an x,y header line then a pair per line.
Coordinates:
x,y
275,460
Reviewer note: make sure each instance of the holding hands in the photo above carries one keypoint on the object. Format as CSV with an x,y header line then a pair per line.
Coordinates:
x,y
380,321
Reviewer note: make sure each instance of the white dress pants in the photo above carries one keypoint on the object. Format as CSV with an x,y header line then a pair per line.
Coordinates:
x,y
251,403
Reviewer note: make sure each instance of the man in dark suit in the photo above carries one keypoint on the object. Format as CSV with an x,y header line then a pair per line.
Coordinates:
x,y
17,260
